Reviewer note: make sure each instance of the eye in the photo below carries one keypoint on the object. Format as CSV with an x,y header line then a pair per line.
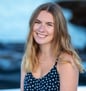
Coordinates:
x,y
50,24
37,21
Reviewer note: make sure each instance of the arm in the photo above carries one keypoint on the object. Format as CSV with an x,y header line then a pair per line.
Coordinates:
x,y
22,80
69,75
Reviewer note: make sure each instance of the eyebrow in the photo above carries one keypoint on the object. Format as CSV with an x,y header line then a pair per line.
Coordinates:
x,y
46,22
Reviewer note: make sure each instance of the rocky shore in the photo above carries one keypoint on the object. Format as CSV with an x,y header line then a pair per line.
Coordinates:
x,y
10,61
78,9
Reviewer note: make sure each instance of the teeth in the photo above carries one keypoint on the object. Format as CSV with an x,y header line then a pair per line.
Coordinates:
x,y
41,35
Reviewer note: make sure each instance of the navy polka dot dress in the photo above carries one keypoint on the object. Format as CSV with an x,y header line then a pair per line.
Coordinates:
x,y
49,82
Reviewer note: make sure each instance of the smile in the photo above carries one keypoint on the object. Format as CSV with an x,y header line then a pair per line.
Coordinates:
x,y
41,35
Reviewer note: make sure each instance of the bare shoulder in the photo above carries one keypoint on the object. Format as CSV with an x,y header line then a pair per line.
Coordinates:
x,y
66,58
66,62
68,73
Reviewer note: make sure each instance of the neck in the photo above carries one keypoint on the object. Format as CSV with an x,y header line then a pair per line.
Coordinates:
x,y
45,50
46,53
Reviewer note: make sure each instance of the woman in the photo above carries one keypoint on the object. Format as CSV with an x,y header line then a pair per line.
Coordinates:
x,y
49,63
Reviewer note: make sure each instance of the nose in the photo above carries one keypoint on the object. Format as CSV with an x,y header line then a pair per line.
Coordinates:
x,y
41,28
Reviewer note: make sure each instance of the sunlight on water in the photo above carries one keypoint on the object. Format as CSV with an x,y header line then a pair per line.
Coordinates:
x,y
14,17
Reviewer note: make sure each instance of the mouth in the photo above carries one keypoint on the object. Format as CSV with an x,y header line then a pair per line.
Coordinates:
x,y
41,35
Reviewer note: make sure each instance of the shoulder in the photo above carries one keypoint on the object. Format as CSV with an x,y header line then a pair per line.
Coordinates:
x,y
66,62
68,72
66,59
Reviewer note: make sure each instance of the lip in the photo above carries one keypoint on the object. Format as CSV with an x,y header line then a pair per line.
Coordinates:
x,y
41,35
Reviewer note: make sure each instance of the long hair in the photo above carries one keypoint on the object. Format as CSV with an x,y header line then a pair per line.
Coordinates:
x,y
61,41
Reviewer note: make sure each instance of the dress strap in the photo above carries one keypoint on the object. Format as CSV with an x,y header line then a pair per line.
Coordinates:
x,y
56,61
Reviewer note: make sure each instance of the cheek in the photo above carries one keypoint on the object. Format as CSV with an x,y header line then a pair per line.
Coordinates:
x,y
33,33
35,27
51,32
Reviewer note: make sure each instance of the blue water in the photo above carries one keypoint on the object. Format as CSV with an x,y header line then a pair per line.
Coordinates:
x,y
15,15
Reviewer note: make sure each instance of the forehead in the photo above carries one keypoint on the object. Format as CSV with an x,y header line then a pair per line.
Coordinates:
x,y
45,15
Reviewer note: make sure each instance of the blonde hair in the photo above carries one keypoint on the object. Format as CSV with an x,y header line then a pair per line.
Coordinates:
x,y
61,41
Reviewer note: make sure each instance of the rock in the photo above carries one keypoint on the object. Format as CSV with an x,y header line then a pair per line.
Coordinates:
x,y
78,9
10,61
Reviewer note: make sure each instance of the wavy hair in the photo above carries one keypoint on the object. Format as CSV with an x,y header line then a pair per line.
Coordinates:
x,y
61,41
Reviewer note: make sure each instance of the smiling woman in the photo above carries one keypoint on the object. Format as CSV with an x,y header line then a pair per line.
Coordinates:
x,y
50,63
43,29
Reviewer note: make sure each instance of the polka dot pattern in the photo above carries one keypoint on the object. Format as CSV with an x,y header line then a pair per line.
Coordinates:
x,y
49,82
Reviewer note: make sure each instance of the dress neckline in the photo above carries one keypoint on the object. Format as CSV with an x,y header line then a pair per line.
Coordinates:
x,y
54,67
43,75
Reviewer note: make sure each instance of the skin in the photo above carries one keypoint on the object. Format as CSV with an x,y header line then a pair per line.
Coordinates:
x,y
43,29
43,32
69,74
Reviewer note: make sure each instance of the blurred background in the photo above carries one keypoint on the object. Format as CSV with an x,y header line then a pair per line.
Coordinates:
x,y
14,19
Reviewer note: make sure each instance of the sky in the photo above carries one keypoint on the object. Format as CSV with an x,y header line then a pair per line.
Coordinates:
x,y
14,19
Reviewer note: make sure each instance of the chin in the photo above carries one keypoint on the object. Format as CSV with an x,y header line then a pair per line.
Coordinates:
x,y
40,42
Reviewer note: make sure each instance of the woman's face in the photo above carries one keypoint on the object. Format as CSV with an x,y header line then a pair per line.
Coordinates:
x,y
43,29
